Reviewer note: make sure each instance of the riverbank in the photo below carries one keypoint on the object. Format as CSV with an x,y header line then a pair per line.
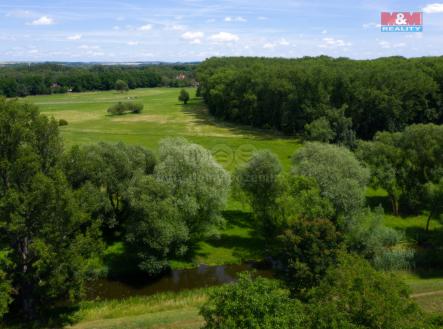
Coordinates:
x,y
181,310
165,310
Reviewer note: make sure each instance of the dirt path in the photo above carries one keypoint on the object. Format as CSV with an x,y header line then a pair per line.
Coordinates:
x,y
430,293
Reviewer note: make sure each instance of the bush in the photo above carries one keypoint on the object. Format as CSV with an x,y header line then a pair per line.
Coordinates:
x,y
305,251
62,122
369,237
355,295
122,108
252,303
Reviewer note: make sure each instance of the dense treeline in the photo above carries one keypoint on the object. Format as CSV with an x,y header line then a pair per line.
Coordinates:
x,y
334,99
36,79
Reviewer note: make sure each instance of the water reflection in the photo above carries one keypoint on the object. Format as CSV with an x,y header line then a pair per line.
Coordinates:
x,y
177,280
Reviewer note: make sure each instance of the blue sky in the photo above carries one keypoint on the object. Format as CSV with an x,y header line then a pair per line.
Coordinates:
x,y
189,30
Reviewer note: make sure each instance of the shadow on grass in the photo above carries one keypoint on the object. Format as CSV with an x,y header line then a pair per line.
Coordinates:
x,y
197,109
245,246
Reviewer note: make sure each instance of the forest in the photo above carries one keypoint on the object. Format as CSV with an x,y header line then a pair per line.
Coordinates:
x,y
327,99
364,126
21,80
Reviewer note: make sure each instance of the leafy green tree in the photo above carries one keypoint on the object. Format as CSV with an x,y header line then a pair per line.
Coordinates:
x,y
405,163
354,295
252,304
52,243
184,96
305,250
198,184
384,160
258,179
339,175
319,130
121,86
104,172
155,230
302,199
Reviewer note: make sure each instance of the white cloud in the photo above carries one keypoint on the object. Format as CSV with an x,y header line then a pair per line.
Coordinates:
x,y
224,37
133,43
269,45
33,51
193,37
44,20
433,8
210,20
324,32
235,19
262,18
388,45
146,27
74,37
334,43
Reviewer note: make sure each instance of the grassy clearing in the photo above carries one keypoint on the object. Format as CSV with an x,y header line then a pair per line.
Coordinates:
x,y
162,116
167,310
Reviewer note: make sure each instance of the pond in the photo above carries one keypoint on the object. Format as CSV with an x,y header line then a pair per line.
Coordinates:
x,y
175,280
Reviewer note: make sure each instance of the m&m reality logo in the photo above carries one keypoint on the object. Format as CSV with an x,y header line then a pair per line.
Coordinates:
x,y
402,21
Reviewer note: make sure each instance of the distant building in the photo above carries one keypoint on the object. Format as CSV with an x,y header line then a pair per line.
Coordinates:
x,y
181,76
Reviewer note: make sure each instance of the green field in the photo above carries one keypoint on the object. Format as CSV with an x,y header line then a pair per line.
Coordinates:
x,y
164,116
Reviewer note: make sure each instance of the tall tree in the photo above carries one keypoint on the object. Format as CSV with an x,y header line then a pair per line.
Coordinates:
x,y
198,184
339,175
258,179
52,243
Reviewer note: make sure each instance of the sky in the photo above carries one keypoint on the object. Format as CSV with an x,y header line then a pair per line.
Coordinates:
x,y
192,30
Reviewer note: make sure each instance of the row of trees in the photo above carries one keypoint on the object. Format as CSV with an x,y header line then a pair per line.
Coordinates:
x,y
325,99
58,208
24,80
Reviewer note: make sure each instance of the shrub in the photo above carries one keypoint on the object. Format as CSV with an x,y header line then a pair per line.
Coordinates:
x,y
122,108
355,295
305,251
252,303
62,122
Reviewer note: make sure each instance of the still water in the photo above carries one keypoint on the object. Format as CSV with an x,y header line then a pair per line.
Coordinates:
x,y
176,280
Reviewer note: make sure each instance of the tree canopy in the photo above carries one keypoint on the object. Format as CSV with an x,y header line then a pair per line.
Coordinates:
x,y
334,99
